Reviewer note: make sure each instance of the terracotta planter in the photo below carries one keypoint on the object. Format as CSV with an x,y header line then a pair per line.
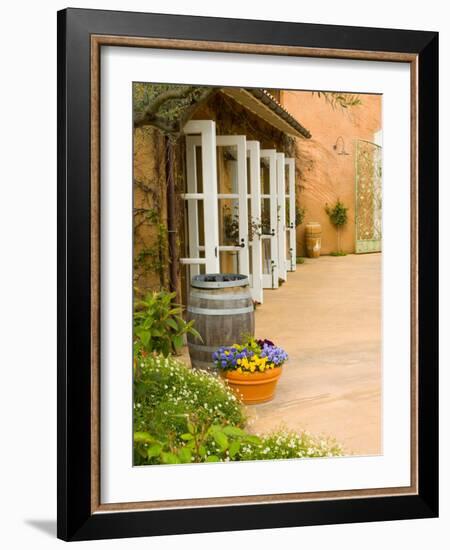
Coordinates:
x,y
254,387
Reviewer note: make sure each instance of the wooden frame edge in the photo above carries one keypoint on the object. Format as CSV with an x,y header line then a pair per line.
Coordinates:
x,y
124,41
95,274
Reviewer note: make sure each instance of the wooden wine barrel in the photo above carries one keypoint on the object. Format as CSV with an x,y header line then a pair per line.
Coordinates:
x,y
313,238
222,307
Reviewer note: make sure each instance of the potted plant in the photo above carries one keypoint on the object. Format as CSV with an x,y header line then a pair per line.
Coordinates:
x,y
252,369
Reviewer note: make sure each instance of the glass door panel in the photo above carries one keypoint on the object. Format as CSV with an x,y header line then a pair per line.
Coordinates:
x,y
232,202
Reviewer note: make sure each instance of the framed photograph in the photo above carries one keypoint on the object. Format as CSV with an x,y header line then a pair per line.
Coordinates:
x,y
247,253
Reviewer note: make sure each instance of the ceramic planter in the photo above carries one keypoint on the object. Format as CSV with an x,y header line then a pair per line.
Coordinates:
x,y
254,387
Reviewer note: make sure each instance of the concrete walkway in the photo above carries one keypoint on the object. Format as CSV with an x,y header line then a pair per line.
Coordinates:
x,y
327,316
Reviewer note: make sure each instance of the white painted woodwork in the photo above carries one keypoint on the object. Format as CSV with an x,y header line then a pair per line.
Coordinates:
x,y
291,229
202,134
253,153
270,280
238,171
281,207
206,130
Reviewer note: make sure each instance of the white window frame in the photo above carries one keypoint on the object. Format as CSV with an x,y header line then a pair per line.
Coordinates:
x,y
281,217
291,229
202,133
239,192
270,280
254,175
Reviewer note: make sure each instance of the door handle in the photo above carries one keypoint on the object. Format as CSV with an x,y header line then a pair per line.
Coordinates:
x,y
272,232
242,245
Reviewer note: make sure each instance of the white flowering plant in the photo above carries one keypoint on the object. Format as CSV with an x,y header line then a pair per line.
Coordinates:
x,y
184,416
288,444
172,401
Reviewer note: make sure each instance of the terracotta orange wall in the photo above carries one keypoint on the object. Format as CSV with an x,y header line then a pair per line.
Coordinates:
x,y
323,176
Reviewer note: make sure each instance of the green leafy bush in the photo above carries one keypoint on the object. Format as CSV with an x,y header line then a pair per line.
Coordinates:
x,y
173,403
337,213
158,324
338,253
184,416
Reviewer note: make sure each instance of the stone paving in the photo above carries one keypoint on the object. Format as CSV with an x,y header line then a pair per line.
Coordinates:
x,y
327,316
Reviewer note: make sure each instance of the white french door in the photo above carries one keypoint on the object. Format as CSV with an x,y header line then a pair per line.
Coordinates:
x,y
281,217
233,220
291,238
201,198
269,224
232,205
254,219
217,205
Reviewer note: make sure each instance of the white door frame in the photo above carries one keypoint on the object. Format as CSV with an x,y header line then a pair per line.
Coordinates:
x,y
291,229
253,154
281,208
270,280
207,141
239,175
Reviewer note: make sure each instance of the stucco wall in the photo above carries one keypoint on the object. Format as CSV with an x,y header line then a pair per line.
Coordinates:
x,y
323,176
150,212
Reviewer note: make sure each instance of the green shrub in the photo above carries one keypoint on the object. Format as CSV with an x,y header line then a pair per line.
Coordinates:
x,y
339,253
183,416
158,325
171,401
338,217
337,213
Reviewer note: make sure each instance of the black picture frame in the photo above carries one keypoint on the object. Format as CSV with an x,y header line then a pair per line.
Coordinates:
x,y
75,519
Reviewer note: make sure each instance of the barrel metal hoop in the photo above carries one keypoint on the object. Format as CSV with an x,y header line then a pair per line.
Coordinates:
x,y
221,297
220,284
204,311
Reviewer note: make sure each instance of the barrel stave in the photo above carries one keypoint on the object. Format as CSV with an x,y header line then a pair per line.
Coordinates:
x,y
216,328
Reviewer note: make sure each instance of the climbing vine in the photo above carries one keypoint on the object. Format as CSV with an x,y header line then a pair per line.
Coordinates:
x,y
152,258
300,212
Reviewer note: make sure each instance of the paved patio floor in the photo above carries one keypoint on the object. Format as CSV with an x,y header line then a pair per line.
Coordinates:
x,y
327,317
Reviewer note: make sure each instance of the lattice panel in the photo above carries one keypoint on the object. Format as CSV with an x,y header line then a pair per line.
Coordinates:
x,y
368,197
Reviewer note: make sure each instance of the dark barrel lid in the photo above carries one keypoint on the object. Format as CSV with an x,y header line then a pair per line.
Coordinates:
x,y
219,280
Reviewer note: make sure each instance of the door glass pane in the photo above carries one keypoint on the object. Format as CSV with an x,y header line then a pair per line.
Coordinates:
x,y
229,261
287,211
265,177
229,222
252,224
226,169
288,246
266,255
286,178
201,223
265,217
198,162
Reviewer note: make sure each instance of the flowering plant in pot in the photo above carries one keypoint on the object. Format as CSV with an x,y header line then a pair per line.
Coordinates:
x,y
252,368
